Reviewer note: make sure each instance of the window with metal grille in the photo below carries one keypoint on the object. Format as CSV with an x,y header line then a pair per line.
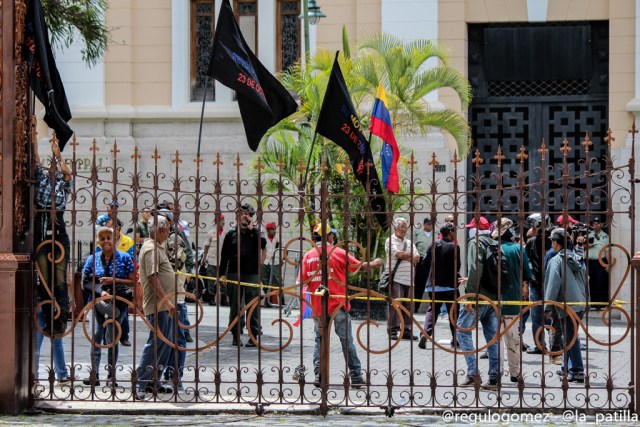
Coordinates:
x,y
202,29
539,88
288,33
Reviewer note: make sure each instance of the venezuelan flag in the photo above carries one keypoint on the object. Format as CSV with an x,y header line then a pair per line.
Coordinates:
x,y
390,153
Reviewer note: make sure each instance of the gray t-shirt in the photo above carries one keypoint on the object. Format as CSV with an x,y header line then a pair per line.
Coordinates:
x,y
150,252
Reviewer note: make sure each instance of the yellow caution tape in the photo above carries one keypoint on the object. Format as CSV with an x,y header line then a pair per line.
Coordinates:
x,y
616,303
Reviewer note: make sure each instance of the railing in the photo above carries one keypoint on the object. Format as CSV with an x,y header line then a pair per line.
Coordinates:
x,y
396,373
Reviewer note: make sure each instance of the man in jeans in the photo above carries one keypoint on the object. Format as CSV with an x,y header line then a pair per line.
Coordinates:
x,y
471,313
157,277
53,186
311,274
565,281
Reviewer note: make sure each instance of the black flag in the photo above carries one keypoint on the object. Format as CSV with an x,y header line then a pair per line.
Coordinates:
x,y
263,101
44,78
340,123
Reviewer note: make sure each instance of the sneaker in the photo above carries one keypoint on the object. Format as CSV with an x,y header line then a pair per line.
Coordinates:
x,y
250,343
409,336
534,350
187,338
162,389
491,384
575,378
393,336
237,343
556,360
560,372
139,395
484,355
64,380
423,343
88,381
125,343
357,382
316,381
468,382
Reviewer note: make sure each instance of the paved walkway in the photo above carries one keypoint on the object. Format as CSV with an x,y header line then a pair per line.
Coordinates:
x,y
333,419
406,378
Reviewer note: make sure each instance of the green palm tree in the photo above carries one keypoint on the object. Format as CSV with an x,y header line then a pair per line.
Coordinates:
x,y
66,19
407,80
403,69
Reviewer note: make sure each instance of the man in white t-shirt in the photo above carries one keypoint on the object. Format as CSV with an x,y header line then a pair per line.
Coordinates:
x,y
271,266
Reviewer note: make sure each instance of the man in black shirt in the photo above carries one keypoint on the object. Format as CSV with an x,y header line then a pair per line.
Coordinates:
x,y
249,243
443,279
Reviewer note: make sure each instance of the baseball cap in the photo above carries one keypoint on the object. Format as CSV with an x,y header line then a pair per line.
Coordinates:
x,y
557,234
483,224
270,225
319,229
596,219
569,218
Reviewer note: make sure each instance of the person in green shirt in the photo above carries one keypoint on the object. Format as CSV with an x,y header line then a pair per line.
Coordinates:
x,y
519,289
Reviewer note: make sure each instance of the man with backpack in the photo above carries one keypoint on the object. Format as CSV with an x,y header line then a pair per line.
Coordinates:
x,y
512,290
472,312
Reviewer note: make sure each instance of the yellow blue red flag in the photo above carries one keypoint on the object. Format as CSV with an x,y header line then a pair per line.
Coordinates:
x,y
390,153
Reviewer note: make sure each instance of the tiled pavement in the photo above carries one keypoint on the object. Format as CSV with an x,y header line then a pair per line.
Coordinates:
x,y
420,379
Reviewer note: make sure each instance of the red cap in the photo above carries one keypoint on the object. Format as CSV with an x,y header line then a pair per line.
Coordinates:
x,y
270,225
484,224
569,218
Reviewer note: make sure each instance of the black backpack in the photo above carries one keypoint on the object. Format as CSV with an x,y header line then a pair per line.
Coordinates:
x,y
495,266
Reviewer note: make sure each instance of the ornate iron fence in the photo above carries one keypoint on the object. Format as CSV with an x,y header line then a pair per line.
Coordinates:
x,y
396,373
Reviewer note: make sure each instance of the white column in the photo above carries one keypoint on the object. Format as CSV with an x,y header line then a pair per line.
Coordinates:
x,y
180,52
267,33
537,10
83,86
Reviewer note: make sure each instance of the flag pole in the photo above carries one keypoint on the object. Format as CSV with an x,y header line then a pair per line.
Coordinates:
x,y
306,172
204,99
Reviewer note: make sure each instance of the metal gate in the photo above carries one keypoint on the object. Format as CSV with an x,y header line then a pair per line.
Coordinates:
x,y
279,371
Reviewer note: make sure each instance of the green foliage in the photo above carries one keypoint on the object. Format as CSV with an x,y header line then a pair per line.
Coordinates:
x,y
67,18
409,73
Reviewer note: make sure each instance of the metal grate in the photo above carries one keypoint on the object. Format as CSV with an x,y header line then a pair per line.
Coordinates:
x,y
539,88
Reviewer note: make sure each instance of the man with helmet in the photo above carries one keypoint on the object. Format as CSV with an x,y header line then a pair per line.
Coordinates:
x,y
242,254
339,261
536,248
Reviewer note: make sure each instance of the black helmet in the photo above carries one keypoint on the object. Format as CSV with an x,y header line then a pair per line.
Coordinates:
x,y
535,221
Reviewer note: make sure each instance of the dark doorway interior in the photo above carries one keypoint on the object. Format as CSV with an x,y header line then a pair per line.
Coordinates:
x,y
535,81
